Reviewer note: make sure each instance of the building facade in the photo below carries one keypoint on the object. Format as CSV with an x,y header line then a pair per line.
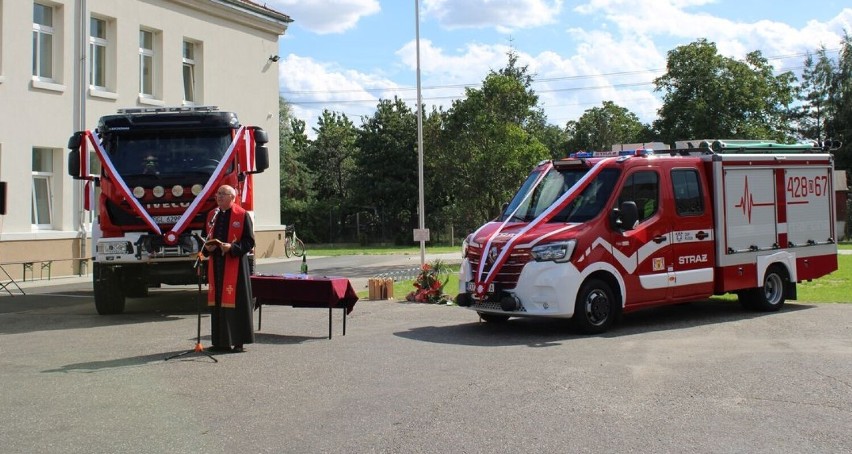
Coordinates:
x,y
65,63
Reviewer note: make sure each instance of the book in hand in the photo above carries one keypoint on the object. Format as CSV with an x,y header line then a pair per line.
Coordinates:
x,y
214,242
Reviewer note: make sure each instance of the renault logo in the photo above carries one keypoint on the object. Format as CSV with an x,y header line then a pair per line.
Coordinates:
x,y
492,254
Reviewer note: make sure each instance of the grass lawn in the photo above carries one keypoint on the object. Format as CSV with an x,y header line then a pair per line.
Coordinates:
x,y
377,250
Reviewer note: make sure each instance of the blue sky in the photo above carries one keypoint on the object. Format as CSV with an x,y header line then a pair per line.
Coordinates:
x,y
345,55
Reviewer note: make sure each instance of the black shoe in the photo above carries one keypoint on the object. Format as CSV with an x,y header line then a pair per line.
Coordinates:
x,y
238,349
218,349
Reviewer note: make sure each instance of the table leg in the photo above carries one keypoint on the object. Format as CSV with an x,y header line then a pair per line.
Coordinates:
x,y
329,323
344,320
259,315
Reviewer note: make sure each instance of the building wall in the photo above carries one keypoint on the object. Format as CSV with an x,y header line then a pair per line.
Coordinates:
x,y
233,71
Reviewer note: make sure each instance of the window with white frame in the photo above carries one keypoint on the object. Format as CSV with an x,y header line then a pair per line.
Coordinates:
x,y
189,94
98,53
43,41
146,63
42,197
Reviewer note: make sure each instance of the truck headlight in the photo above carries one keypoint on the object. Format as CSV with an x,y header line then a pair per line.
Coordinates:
x,y
553,252
116,247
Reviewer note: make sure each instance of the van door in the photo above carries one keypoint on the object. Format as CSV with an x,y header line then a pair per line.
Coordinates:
x,y
645,251
692,235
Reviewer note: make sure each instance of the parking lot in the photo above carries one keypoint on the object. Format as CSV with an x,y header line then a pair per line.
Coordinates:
x,y
407,377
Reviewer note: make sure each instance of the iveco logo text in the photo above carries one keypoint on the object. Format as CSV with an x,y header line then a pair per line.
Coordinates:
x,y
167,205
699,258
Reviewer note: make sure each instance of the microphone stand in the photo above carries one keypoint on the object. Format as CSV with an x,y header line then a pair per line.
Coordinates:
x,y
198,347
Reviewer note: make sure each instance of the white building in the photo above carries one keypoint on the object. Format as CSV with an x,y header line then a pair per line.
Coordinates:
x,y
65,63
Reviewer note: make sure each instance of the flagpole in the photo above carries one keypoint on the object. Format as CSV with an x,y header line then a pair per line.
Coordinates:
x,y
422,209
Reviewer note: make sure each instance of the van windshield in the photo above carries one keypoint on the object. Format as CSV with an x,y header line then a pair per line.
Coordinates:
x,y
555,183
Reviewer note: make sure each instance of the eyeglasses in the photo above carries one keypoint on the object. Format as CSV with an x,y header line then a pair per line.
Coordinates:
x,y
223,194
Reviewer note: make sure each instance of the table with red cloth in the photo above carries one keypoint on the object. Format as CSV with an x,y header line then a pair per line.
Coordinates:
x,y
304,290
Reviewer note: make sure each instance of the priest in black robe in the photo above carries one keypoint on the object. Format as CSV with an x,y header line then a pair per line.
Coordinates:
x,y
230,239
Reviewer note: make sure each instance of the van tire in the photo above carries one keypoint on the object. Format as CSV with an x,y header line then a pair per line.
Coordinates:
x,y
771,296
596,308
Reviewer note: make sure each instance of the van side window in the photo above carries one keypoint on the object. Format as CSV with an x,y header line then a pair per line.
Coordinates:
x,y
687,192
642,187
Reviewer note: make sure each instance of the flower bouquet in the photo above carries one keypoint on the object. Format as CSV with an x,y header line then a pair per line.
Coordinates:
x,y
428,285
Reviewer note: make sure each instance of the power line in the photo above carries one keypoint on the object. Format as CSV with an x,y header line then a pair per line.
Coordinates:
x,y
535,80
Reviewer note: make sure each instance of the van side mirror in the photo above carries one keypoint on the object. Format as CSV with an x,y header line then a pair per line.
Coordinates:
x,y
625,217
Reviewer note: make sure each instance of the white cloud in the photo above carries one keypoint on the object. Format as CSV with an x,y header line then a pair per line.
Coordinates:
x,y
673,20
312,87
504,15
326,16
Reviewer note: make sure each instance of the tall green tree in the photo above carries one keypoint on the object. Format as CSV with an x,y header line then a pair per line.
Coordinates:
x,y
485,149
815,92
386,165
599,128
331,156
295,180
706,95
840,125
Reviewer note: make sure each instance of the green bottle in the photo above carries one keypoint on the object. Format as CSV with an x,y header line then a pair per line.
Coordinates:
x,y
304,268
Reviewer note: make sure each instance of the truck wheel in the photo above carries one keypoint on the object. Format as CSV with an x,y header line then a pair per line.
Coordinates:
x,y
493,318
770,297
596,307
109,294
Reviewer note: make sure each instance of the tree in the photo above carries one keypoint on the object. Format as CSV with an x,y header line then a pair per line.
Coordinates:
x,y
295,181
331,156
710,96
599,128
485,150
840,126
386,165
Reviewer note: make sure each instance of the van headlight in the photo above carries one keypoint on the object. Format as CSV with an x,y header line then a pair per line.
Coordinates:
x,y
553,252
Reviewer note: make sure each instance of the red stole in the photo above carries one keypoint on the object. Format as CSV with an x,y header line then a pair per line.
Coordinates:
x,y
232,263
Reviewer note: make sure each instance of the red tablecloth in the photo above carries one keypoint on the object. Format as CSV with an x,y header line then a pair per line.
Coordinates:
x,y
298,290
304,291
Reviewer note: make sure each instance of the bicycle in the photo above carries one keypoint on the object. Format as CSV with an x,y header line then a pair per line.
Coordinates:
x,y
292,244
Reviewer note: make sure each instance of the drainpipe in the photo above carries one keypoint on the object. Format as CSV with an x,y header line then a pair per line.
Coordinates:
x,y
80,66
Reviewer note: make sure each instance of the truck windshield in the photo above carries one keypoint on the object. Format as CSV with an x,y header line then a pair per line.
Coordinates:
x,y
582,208
167,153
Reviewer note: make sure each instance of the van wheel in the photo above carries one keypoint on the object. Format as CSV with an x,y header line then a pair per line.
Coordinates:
x,y
596,307
493,318
770,297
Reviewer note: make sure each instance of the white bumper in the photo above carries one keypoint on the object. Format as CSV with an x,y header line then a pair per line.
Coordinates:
x,y
544,289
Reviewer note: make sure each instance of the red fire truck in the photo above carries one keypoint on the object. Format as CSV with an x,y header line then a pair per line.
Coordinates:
x,y
159,171
598,234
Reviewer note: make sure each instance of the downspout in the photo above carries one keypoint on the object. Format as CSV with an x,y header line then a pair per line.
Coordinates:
x,y
80,125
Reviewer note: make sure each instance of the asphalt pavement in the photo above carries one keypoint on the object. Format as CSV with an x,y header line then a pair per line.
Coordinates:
x,y
703,377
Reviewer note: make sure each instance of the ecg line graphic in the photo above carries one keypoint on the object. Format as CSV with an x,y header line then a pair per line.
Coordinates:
x,y
747,202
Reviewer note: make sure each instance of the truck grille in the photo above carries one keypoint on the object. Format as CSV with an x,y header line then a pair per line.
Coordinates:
x,y
507,276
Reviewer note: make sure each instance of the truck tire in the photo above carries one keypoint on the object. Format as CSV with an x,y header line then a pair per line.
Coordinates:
x,y
109,293
771,296
596,308
493,318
